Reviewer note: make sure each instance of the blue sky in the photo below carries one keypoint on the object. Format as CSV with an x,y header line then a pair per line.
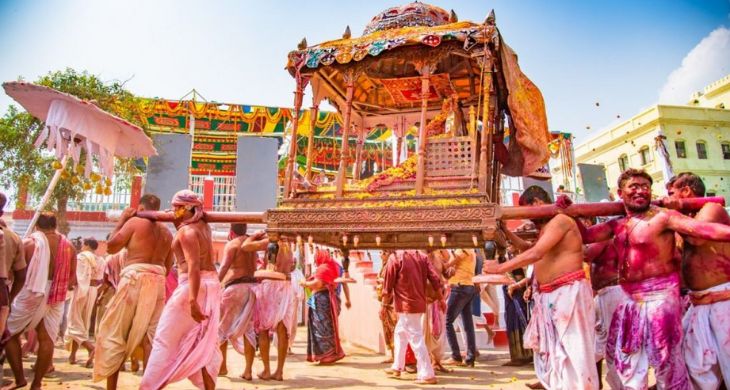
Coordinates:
x,y
618,53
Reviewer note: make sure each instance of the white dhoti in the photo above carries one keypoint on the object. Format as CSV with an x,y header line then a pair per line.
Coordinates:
x,y
79,314
238,305
409,330
707,337
562,334
132,315
182,347
30,308
606,301
274,304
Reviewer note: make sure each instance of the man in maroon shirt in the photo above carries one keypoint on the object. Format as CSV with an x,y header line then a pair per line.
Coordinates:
x,y
405,283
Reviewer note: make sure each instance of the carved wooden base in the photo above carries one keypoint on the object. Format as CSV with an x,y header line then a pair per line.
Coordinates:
x,y
407,222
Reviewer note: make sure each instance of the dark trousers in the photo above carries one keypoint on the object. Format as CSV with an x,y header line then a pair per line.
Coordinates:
x,y
459,303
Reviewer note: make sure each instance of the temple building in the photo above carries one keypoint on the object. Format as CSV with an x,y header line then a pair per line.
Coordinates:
x,y
665,140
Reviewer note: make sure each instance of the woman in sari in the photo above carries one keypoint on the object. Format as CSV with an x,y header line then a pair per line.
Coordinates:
x,y
323,341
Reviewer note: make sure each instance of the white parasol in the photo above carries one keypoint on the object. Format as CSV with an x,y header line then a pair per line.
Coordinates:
x,y
72,124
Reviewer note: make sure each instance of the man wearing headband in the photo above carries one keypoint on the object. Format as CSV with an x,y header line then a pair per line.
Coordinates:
x,y
186,342
142,252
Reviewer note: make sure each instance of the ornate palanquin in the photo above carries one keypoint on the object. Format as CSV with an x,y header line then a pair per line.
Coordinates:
x,y
459,84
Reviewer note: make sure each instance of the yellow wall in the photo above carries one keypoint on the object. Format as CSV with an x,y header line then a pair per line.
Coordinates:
x,y
690,124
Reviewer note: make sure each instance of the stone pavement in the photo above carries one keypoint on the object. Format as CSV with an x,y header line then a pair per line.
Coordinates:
x,y
361,369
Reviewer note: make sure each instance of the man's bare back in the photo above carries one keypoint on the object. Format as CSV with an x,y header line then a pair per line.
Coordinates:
x,y
197,238
706,264
237,262
146,242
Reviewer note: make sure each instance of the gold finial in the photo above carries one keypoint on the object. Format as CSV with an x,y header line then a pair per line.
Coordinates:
x,y
491,20
303,44
347,34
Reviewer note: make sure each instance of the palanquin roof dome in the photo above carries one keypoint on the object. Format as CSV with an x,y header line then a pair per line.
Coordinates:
x,y
409,15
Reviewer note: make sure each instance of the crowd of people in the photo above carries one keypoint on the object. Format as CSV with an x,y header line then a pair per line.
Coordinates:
x,y
656,296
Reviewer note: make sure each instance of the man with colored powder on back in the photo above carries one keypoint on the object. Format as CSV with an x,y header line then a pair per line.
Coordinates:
x,y
646,330
706,272
238,304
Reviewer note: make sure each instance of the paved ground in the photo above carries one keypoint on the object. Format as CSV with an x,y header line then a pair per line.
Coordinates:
x,y
361,369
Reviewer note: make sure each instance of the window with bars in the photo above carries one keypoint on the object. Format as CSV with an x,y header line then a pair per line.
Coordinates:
x,y
623,162
224,191
701,150
725,150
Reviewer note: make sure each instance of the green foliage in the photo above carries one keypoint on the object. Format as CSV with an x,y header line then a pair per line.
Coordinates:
x,y
20,161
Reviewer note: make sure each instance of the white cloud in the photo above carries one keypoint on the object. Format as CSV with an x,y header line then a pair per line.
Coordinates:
x,y
705,63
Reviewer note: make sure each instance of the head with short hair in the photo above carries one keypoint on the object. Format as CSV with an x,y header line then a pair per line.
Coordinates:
x,y
535,195
91,243
632,173
149,202
634,188
687,185
239,228
46,221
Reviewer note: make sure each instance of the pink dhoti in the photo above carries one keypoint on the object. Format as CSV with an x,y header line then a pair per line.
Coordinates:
x,y
183,347
131,315
274,304
707,337
606,301
561,332
237,309
646,330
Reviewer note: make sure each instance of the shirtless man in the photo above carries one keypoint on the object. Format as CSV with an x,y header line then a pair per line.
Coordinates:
x,y
186,342
39,305
603,260
561,330
133,313
647,329
706,272
275,308
239,296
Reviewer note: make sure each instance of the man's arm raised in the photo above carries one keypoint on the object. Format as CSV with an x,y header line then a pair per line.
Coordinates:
x,y
122,233
688,226
555,230
255,242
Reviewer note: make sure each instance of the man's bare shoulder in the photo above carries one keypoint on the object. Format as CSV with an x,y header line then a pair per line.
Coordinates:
x,y
562,221
713,212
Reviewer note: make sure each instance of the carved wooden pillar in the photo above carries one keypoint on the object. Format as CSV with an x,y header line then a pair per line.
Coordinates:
x,y
310,139
487,124
421,153
358,154
347,119
302,82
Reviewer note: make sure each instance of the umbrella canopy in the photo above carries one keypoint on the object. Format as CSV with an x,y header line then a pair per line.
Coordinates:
x,y
69,118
